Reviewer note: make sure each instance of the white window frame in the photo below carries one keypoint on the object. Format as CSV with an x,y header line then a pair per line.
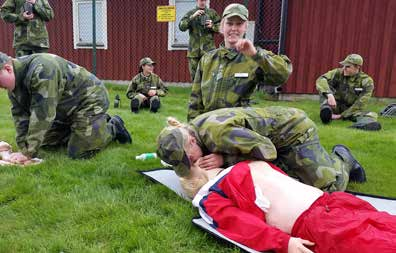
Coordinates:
x,y
171,30
99,44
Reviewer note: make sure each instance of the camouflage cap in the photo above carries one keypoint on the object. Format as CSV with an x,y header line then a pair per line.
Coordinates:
x,y
236,10
146,60
352,59
170,148
3,59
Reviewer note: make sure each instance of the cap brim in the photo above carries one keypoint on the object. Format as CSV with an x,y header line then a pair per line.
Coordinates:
x,y
235,14
345,63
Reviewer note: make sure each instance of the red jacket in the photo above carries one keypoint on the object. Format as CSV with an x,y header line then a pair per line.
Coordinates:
x,y
234,213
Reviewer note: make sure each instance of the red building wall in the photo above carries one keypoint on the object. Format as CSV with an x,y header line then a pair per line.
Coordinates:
x,y
132,32
321,33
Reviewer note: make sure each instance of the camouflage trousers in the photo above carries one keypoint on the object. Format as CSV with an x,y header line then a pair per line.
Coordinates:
x,y
84,136
360,117
21,51
192,66
309,162
146,102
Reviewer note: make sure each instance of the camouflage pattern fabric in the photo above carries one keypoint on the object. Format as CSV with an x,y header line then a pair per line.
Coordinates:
x,y
227,78
192,66
28,34
279,134
21,51
56,102
201,38
352,94
141,84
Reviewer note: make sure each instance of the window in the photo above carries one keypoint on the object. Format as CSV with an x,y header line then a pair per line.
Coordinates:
x,y
82,24
178,40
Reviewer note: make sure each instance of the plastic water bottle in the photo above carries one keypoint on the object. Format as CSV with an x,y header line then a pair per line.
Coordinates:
x,y
146,156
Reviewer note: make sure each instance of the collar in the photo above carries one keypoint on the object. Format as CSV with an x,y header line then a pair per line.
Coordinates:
x,y
19,72
229,53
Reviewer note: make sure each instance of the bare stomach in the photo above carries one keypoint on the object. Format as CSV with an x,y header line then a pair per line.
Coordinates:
x,y
288,198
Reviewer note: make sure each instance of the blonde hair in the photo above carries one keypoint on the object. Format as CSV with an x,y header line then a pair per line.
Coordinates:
x,y
185,129
191,185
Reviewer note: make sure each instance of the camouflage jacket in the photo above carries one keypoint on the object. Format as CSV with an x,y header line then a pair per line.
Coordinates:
x,y
28,32
245,133
48,88
142,84
201,39
227,78
352,91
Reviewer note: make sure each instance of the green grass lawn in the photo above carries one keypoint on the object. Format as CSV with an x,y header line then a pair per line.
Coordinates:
x,y
104,205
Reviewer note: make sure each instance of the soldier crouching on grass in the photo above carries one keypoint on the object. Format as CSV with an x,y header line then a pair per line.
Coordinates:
x,y
55,102
344,94
284,135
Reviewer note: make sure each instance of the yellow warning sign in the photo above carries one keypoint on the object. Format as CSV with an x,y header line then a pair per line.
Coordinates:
x,y
166,13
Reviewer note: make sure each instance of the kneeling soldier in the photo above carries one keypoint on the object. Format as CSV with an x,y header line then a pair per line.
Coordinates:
x,y
56,102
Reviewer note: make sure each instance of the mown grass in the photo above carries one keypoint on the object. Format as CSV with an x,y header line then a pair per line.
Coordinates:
x,y
104,205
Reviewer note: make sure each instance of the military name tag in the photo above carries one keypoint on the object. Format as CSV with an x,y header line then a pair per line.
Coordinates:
x,y
239,75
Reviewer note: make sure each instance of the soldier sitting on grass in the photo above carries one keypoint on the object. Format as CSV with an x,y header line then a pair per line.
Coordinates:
x,y
56,102
223,137
344,94
146,87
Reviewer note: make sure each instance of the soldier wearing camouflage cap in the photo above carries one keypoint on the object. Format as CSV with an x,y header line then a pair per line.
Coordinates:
x,y
55,102
29,17
202,23
146,87
227,76
344,94
223,137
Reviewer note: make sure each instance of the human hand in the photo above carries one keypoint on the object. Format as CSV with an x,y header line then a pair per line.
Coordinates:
x,y
331,101
142,96
152,93
18,158
211,161
197,13
27,16
31,1
296,245
246,47
336,116
209,23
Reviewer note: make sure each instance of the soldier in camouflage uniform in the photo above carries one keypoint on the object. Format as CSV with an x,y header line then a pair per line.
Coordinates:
x,y
146,87
202,23
227,76
30,35
55,102
344,94
226,136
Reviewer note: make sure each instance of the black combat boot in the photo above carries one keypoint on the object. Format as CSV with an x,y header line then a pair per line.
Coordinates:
x,y
155,104
357,173
135,105
121,133
325,114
